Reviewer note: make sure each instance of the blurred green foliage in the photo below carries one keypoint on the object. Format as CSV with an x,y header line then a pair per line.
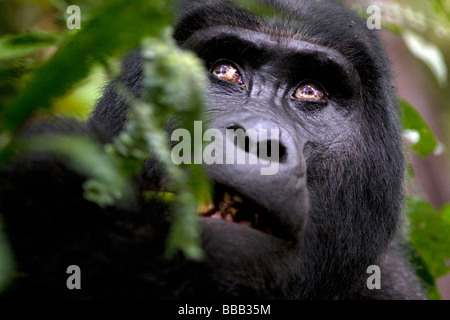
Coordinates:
x,y
46,71
34,84
423,141
22,45
6,260
72,62
429,231
168,90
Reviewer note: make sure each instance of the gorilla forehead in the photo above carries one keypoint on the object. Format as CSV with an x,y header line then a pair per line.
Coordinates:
x,y
322,22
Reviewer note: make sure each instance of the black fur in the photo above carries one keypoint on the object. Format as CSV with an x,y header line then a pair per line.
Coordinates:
x,y
344,217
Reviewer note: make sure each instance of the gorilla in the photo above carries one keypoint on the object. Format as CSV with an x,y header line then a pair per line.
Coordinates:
x,y
311,70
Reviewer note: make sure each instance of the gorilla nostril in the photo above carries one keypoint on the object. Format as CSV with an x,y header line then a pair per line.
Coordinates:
x,y
265,149
270,146
239,134
282,152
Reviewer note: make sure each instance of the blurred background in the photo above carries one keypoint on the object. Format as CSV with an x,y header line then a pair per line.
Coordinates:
x,y
417,38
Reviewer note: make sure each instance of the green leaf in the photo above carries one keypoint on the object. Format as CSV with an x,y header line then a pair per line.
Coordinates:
x,y
417,131
430,235
441,7
18,46
427,278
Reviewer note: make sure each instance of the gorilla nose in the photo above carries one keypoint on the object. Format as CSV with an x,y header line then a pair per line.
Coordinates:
x,y
258,142
265,163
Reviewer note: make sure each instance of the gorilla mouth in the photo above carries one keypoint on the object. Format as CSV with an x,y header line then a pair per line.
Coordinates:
x,y
231,206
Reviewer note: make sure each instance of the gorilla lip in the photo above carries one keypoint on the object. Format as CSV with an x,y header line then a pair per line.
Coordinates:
x,y
230,206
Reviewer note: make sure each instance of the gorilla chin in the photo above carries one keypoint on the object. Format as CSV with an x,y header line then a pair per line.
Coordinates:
x,y
309,69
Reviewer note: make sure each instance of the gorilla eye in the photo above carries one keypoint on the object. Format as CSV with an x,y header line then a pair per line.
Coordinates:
x,y
228,72
310,92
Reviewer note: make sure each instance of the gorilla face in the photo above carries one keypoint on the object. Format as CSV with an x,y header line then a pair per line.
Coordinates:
x,y
316,75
